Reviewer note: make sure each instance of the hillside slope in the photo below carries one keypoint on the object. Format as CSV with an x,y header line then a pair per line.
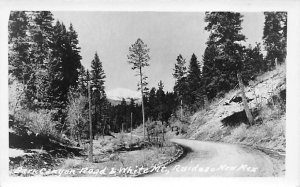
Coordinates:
x,y
224,120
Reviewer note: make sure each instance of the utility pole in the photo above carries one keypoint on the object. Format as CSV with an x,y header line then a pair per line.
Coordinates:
x,y
248,113
91,127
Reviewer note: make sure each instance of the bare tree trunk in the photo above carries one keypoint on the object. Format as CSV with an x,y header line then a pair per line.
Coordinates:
x,y
248,113
141,76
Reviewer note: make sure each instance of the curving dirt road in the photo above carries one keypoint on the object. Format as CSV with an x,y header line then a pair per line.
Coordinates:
x,y
208,159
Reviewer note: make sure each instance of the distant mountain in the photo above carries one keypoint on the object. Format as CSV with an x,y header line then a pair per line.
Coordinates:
x,y
116,95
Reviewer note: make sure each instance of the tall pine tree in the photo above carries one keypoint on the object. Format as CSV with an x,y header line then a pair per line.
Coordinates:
x,y
65,63
19,43
41,33
224,56
274,36
98,96
180,73
210,71
194,98
139,57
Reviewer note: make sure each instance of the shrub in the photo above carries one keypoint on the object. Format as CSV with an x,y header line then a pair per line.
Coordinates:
x,y
76,116
41,122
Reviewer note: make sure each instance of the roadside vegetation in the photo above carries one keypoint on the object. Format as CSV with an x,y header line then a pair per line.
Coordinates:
x,y
123,158
218,123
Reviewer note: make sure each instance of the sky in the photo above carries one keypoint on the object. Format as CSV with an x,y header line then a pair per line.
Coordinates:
x,y
167,34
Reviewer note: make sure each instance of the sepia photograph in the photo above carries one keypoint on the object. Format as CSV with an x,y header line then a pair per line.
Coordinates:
x,y
147,94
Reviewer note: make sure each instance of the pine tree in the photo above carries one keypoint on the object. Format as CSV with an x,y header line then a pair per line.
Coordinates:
x,y
18,25
69,59
58,89
21,56
139,57
161,102
224,54
210,71
170,104
41,32
64,65
74,57
179,74
99,95
97,74
18,54
253,64
194,83
274,36
180,68
82,84
45,58
31,53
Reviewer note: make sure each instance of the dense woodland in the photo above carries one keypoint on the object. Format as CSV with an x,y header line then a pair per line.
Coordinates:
x,y
48,83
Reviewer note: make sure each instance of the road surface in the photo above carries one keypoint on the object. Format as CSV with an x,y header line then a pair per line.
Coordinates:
x,y
208,159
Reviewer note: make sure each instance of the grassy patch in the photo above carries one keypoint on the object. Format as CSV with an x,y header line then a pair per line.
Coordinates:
x,y
117,161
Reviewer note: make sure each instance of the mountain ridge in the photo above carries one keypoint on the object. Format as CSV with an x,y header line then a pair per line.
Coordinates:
x,y
115,96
